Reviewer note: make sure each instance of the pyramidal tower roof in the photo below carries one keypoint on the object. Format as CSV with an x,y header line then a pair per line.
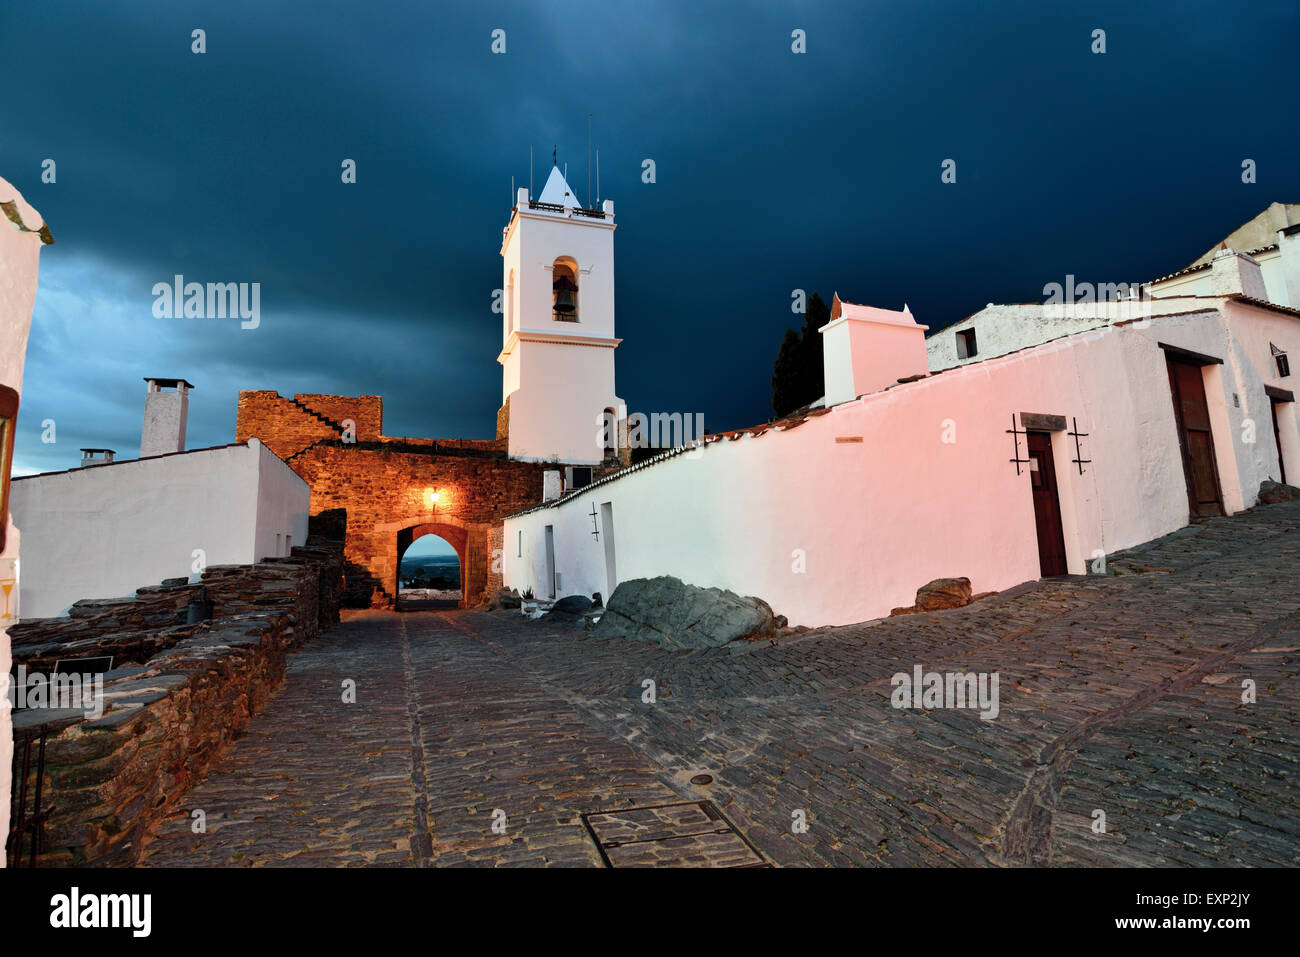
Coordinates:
x,y
557,191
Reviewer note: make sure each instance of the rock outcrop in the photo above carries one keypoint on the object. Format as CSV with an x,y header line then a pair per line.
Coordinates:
x,y
937,595
571,605
504,598
1273,493
673,614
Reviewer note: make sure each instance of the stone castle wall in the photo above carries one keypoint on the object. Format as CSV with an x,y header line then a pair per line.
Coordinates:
x,y
496,544
287,426
176,696
366,412
384,490
384,482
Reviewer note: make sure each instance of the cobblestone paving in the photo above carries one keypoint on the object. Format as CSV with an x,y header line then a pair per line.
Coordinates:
x,y
1119,694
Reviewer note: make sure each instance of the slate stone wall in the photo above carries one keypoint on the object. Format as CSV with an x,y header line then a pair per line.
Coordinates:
x,y
383,488
382,483
176,696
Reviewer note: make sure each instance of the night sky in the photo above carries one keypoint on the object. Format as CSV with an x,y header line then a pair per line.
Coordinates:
x,y
775,171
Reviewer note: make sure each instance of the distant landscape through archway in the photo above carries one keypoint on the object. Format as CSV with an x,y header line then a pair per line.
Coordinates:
x,y
429,573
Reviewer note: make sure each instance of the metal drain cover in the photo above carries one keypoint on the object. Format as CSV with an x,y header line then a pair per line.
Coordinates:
x,y
690,834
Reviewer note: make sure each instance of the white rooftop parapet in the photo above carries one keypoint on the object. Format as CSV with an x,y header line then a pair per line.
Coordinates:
x,y
866,349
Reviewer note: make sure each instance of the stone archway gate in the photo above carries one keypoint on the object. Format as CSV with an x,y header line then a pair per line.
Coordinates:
x,y
462,489
471,573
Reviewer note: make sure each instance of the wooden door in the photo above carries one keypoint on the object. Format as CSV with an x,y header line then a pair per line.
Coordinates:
x,y
1277,439
1195,438
1047,505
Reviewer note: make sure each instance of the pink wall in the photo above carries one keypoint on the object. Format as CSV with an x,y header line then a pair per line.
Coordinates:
x,y
884,354
891,505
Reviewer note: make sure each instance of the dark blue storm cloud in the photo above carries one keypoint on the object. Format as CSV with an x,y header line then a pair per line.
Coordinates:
x,y
775,171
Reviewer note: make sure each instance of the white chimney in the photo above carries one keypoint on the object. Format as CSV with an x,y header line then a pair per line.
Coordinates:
x,y
166,408
1234,273
96,457
552,486
865,349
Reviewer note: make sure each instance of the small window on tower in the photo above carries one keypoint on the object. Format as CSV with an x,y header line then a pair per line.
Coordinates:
x,y
966,343
609,423
564,291
1283,364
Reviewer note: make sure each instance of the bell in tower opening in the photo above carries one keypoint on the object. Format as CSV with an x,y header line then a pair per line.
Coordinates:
x,y
564,288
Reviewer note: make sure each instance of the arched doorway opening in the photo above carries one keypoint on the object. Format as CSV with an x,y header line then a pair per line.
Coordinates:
x,y
430,567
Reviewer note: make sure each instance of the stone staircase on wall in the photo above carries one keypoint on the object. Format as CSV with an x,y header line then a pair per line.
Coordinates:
x,y
337,427
284,426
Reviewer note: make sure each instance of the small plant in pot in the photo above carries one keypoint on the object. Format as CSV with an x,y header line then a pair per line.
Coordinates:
x,y
528,603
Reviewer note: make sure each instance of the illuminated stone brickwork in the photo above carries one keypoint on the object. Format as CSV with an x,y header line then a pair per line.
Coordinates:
x,y
394,489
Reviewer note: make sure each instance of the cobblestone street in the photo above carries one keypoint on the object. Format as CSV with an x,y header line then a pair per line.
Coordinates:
x,y
1119,694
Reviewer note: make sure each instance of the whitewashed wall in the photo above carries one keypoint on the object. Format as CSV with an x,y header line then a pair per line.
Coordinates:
x,y
1279,270
104,531
1248,368
555,414
1004,328
1274,270
283,504
19,268
877,518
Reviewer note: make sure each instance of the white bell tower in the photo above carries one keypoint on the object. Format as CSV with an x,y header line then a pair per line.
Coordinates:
x,y
557,352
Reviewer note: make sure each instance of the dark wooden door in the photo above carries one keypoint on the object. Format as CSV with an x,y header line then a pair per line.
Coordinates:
x,y
1277,439
1195,438
1047,505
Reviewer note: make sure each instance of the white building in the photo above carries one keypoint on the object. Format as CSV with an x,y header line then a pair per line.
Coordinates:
x,y
1271,240
1062,440
558,343
106,529
1268,270
22,233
